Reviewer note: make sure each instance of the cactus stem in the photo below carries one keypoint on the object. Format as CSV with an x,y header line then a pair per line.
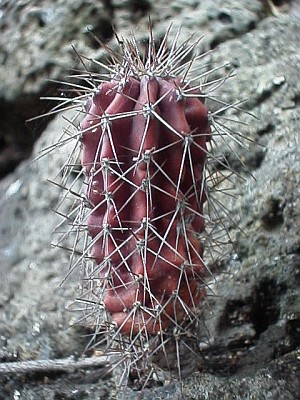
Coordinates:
x,y
149,217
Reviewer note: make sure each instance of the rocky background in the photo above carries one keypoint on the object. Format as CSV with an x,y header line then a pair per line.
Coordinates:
x,y
253,312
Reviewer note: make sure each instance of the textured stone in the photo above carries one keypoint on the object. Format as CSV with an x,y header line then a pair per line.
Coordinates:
x,y
253,311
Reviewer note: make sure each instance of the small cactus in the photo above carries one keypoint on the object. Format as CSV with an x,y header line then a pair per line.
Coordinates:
x,y
145,143
144,150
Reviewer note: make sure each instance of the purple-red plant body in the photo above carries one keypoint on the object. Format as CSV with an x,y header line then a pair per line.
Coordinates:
x,y
149,151
144,152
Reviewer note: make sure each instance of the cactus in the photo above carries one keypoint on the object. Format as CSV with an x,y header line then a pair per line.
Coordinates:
x,y
144,150
145,142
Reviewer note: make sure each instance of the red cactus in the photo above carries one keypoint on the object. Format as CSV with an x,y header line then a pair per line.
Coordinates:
x,y
144,150
139,227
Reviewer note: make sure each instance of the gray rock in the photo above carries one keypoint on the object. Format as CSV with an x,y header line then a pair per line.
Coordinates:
x,y
35,46
253,308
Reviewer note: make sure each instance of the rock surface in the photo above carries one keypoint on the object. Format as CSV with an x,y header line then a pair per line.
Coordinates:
x,y
253,313
35,46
